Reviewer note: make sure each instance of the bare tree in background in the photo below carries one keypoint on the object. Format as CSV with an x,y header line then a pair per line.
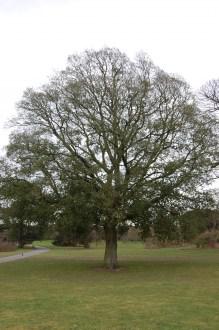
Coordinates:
x,y
209,97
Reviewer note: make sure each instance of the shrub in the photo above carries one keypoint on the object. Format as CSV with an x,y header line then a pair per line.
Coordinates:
x,y
7,247
208,239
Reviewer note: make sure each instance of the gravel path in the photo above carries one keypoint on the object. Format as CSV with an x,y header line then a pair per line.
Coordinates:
x,y
22,255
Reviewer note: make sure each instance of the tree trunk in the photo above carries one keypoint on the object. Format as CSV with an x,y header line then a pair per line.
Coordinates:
x,y
21,240
20,245
110,257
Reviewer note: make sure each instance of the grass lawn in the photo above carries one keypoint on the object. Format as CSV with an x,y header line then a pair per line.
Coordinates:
x,y
67,288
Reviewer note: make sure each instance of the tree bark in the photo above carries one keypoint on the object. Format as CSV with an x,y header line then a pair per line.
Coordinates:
x,y
110,257
21,243
21,240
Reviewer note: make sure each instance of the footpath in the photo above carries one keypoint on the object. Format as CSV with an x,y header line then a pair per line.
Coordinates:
x,y
23,255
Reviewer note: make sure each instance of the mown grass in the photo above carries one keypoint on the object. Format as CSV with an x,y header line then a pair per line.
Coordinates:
x,y
67,288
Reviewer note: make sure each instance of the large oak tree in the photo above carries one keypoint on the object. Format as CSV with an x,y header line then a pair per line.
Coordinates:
x,y
126,128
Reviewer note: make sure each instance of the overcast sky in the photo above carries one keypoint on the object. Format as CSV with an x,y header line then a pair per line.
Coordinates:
x,y
181,36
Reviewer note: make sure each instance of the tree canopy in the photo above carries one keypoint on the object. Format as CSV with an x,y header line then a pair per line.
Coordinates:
x,y
24,209
130,132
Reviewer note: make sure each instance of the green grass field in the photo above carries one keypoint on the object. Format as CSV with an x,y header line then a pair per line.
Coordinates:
x,y
154,289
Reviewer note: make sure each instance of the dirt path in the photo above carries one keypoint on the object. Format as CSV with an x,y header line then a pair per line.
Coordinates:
x,y
23,255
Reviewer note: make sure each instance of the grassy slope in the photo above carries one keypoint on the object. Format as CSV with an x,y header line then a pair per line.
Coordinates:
x,y
154,289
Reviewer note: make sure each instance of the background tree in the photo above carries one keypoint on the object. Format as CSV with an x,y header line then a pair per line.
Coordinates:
x,y
24,210
197,221
210,95
76,216
124,127
70,203
169,219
